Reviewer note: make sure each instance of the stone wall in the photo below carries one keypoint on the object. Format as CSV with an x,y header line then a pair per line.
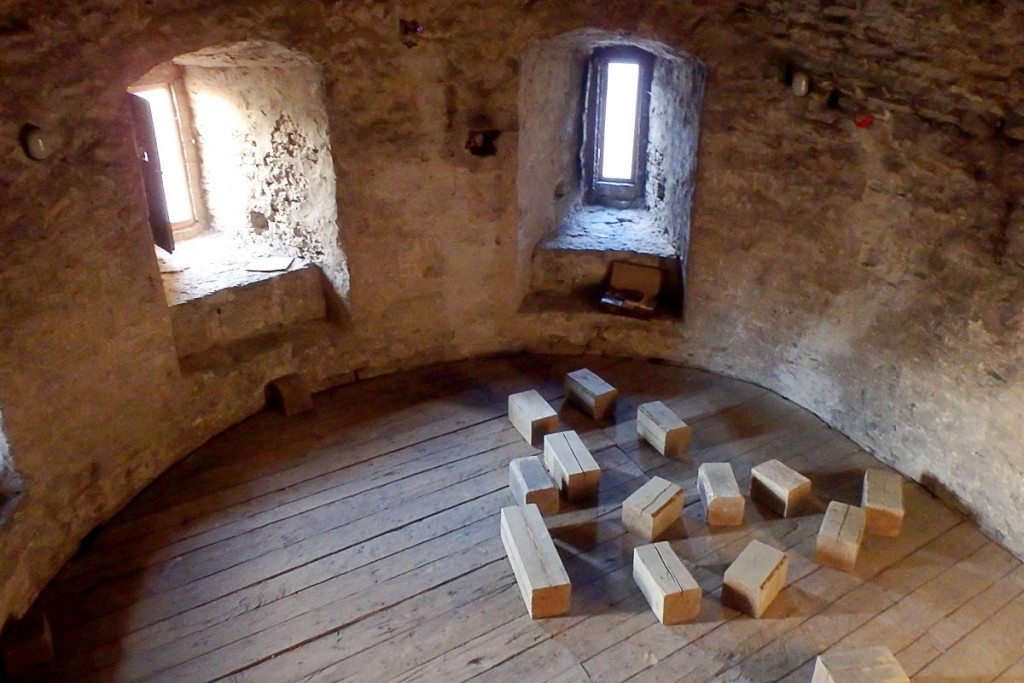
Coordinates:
x,y
261,129
870,274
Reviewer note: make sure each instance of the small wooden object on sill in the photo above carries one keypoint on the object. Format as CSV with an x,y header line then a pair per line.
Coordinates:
x,y
632,290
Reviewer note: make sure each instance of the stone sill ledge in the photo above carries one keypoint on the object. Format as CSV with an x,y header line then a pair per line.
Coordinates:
x,y
598,228
210,263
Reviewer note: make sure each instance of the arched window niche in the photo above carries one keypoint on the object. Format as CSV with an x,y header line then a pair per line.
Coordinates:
x,y
567,239
253,125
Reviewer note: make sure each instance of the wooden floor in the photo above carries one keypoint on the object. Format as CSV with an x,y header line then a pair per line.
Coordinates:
x,y
360,542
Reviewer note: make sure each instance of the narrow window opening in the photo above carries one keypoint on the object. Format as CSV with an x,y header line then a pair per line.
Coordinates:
x,y
619,134
615,141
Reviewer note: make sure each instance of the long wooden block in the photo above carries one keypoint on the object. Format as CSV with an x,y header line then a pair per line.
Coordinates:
x,y
27,643
657,424
779,488
862,665
535,562
840,536
531,415
882,500
652,508
530,483
571,465
723,503
670,589
753,581
590,393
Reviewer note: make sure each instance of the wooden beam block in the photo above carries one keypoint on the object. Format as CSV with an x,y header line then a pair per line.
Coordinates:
x,y
590,393
571,465
840,536
530,483
723,503
779,488
531,415
753,581
289,395
862,665
27,643
652,508
657,424
882,500
535,562
663,579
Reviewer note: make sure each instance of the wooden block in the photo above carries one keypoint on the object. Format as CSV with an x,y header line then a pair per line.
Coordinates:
x,y
779,488
862,665
530,483
289,395
531,415
652,508
882,500
668,586
840,536
535,562
590,393
571,465
720,494
27,643
753,581
662,428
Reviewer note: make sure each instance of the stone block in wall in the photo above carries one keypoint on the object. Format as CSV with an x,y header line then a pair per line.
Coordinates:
x,y
244,311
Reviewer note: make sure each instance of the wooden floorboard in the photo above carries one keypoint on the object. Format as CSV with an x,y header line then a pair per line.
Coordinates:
x,y
359,542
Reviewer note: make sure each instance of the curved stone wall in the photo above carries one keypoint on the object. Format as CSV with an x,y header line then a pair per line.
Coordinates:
x,y
872,274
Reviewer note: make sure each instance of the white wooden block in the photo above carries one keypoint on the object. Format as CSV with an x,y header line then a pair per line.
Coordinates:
x,y
723,503
530,483
571,465
590,393
531,415
652,508
657,424
778,487
882,500
862,665
535,562
840,536
663,579
753,581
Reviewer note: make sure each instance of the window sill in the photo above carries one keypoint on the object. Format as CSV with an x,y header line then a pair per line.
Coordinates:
x,y
209,263
604,229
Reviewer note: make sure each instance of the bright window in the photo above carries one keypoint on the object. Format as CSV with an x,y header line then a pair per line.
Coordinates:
x,y
619,134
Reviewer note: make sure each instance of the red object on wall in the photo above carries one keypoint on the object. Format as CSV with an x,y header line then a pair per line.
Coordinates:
x,y
863,120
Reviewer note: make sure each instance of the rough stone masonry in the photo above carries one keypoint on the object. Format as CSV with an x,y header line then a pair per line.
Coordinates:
x,y
872,274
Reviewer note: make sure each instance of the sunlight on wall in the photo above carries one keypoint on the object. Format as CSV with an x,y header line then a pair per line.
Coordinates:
x,y
223,162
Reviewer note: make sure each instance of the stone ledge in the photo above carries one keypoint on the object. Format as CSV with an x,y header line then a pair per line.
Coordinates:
x,y
634,232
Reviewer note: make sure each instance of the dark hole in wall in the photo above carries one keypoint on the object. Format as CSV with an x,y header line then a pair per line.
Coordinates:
x,y
14,26
833,99
787,73
483,143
